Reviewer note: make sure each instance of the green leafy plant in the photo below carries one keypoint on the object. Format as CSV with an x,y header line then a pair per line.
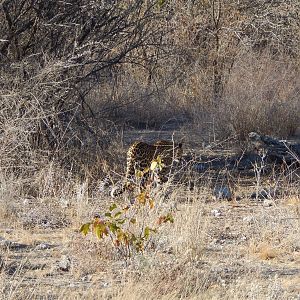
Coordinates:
x,y
126,227
161,3
122,228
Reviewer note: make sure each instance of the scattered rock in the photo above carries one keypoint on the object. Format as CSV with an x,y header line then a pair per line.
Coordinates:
x,y
65,263
105,284
41,216
21,266
11,268
214,246
243,238
86,278
104,185
261,195
248,219
222,192
64,203
268,203
4,244
216,213
115,191
26,201
281,272
43,246
2,265
296,245
200,167
264,194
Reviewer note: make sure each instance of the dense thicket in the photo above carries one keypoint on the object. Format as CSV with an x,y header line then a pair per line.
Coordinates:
x,y
70,68
53,53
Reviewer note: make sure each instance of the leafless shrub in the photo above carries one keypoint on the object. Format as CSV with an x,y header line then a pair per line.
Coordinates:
x,y
52,54
262,95
71,72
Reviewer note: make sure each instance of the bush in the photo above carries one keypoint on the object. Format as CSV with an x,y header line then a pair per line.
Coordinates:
x,y
262,95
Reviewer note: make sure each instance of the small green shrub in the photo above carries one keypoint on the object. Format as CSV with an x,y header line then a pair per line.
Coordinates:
x,y
128,228
123,229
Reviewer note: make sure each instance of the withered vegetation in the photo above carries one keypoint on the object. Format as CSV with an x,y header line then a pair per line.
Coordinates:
x,y
80,80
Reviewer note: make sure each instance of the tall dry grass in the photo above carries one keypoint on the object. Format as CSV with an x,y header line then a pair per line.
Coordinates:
x,y
62,132
263,95
246,252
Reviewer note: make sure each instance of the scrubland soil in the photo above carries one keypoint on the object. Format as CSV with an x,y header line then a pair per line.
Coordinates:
x,y
80,80
237,249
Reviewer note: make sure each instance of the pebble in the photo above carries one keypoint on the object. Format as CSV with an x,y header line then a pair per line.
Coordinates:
x,y
222,192
216,212
268,203
43,246
65,263
248,219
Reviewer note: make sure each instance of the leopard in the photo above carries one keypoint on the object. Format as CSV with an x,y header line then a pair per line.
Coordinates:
x,y
140,155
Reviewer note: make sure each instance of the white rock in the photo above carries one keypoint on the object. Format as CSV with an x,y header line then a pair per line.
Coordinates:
x,y
268,203
65,263
248,219
216,213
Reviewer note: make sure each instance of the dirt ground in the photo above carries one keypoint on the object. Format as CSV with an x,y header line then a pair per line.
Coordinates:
x,y
242,248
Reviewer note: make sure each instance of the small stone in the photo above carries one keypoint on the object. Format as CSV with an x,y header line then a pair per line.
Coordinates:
x,y
104,184
6,244
199,167
263,194
216,213
43,246
64,203
115,191
268,203
45,223
86,278
248,219
296,246
1,263
222,192
65,263
26,201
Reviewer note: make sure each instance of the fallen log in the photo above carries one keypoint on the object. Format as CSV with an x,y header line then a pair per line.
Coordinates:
x,y
275,150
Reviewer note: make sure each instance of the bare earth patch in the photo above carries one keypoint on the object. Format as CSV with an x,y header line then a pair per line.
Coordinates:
x,y
247,250
231,247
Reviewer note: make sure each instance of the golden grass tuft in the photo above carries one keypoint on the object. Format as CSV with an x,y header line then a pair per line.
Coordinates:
x,y
266,252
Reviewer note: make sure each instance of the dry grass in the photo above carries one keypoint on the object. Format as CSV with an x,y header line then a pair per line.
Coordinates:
x,y
261,95
61,112
248,251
